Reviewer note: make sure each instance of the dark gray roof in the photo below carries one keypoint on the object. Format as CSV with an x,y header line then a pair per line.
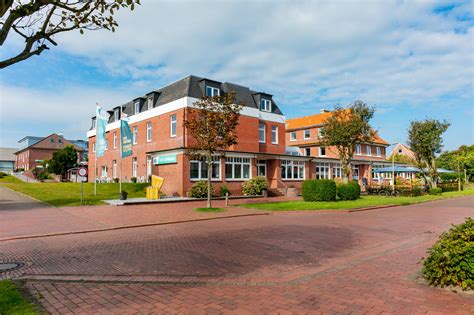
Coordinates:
x,y
193,86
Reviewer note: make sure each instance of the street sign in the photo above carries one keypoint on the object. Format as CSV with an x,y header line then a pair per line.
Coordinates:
x,y
82,172
81,179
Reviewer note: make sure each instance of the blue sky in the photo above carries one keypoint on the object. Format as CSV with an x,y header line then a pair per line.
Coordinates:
x,y
412,60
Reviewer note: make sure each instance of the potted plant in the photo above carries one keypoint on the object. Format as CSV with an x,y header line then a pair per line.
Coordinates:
x,y
123,195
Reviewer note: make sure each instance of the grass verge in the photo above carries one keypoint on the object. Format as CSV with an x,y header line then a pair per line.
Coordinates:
x,y
9,179
12,302
210,209
363,202
69,194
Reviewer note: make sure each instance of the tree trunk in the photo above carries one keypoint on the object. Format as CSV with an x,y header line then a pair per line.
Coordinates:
x,y
209,173
466,180
345,169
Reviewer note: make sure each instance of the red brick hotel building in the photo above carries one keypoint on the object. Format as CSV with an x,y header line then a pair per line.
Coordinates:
x,y
160,139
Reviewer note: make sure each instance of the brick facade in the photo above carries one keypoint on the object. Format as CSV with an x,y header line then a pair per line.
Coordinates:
x,y
32,156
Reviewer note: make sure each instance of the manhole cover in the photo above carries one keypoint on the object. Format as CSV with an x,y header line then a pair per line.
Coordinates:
x,y
8,266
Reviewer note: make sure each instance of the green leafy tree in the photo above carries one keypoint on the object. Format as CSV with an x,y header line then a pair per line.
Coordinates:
x,y
345,128
212,123
401,158
38,21
424,138
63,160
461,159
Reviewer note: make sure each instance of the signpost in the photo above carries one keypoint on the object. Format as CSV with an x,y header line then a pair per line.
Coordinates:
x,y
82,177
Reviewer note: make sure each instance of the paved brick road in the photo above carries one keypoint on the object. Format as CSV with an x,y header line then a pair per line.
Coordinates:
x,y
362,262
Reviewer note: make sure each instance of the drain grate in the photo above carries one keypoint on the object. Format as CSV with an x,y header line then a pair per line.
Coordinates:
x,y
9,266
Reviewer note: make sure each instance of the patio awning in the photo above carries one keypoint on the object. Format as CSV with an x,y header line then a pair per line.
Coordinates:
x,y
398,169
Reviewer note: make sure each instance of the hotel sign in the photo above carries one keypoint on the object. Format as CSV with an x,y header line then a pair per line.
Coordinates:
x,y
165,159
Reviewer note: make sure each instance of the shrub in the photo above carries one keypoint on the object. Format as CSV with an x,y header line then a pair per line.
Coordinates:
x,y
2,174
319,190
254,186
224,190
116,179
42,175
349,191
199,190
451,177
133,179
451,259
454,186
435,191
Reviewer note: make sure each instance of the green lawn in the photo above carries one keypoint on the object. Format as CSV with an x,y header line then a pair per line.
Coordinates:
x,y
9,179
68,194
11,301
210,209
364,201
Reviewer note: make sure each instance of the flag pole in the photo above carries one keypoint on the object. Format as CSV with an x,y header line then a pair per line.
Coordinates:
x,y
120,179
95,153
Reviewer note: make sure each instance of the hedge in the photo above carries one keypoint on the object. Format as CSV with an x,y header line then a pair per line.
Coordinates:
x,y
435,191
348,191
319,190
199,190
451,259
254,186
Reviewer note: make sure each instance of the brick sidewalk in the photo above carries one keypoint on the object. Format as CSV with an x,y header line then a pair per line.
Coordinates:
x,y
44,221
363,262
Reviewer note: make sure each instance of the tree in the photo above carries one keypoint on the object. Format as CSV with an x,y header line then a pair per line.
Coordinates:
x,y
424,138
461,159
63,160
345,128
401,158
212,124
38,21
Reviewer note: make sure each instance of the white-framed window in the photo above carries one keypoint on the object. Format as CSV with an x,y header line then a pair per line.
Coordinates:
x,y
322,151
320,132
134,167
149,161
368,150
116,115
115,140
375,167
307,151
136,107
378,151
262,168
336,170
265,105
173,126
148,131
307,134
293,136
114,169
106,145
150,103
93,147
355,172
237,168
291,169
358,149
322,170
212,91
104,171
93,123
198,169
261,132
135,135
275,134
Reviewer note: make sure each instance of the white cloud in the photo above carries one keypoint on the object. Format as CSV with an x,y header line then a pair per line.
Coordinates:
x,y
307,53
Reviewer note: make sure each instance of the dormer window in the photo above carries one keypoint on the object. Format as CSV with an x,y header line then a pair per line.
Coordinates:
x,y
265,105
116,115
93,123
212,91
150,103
137,107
